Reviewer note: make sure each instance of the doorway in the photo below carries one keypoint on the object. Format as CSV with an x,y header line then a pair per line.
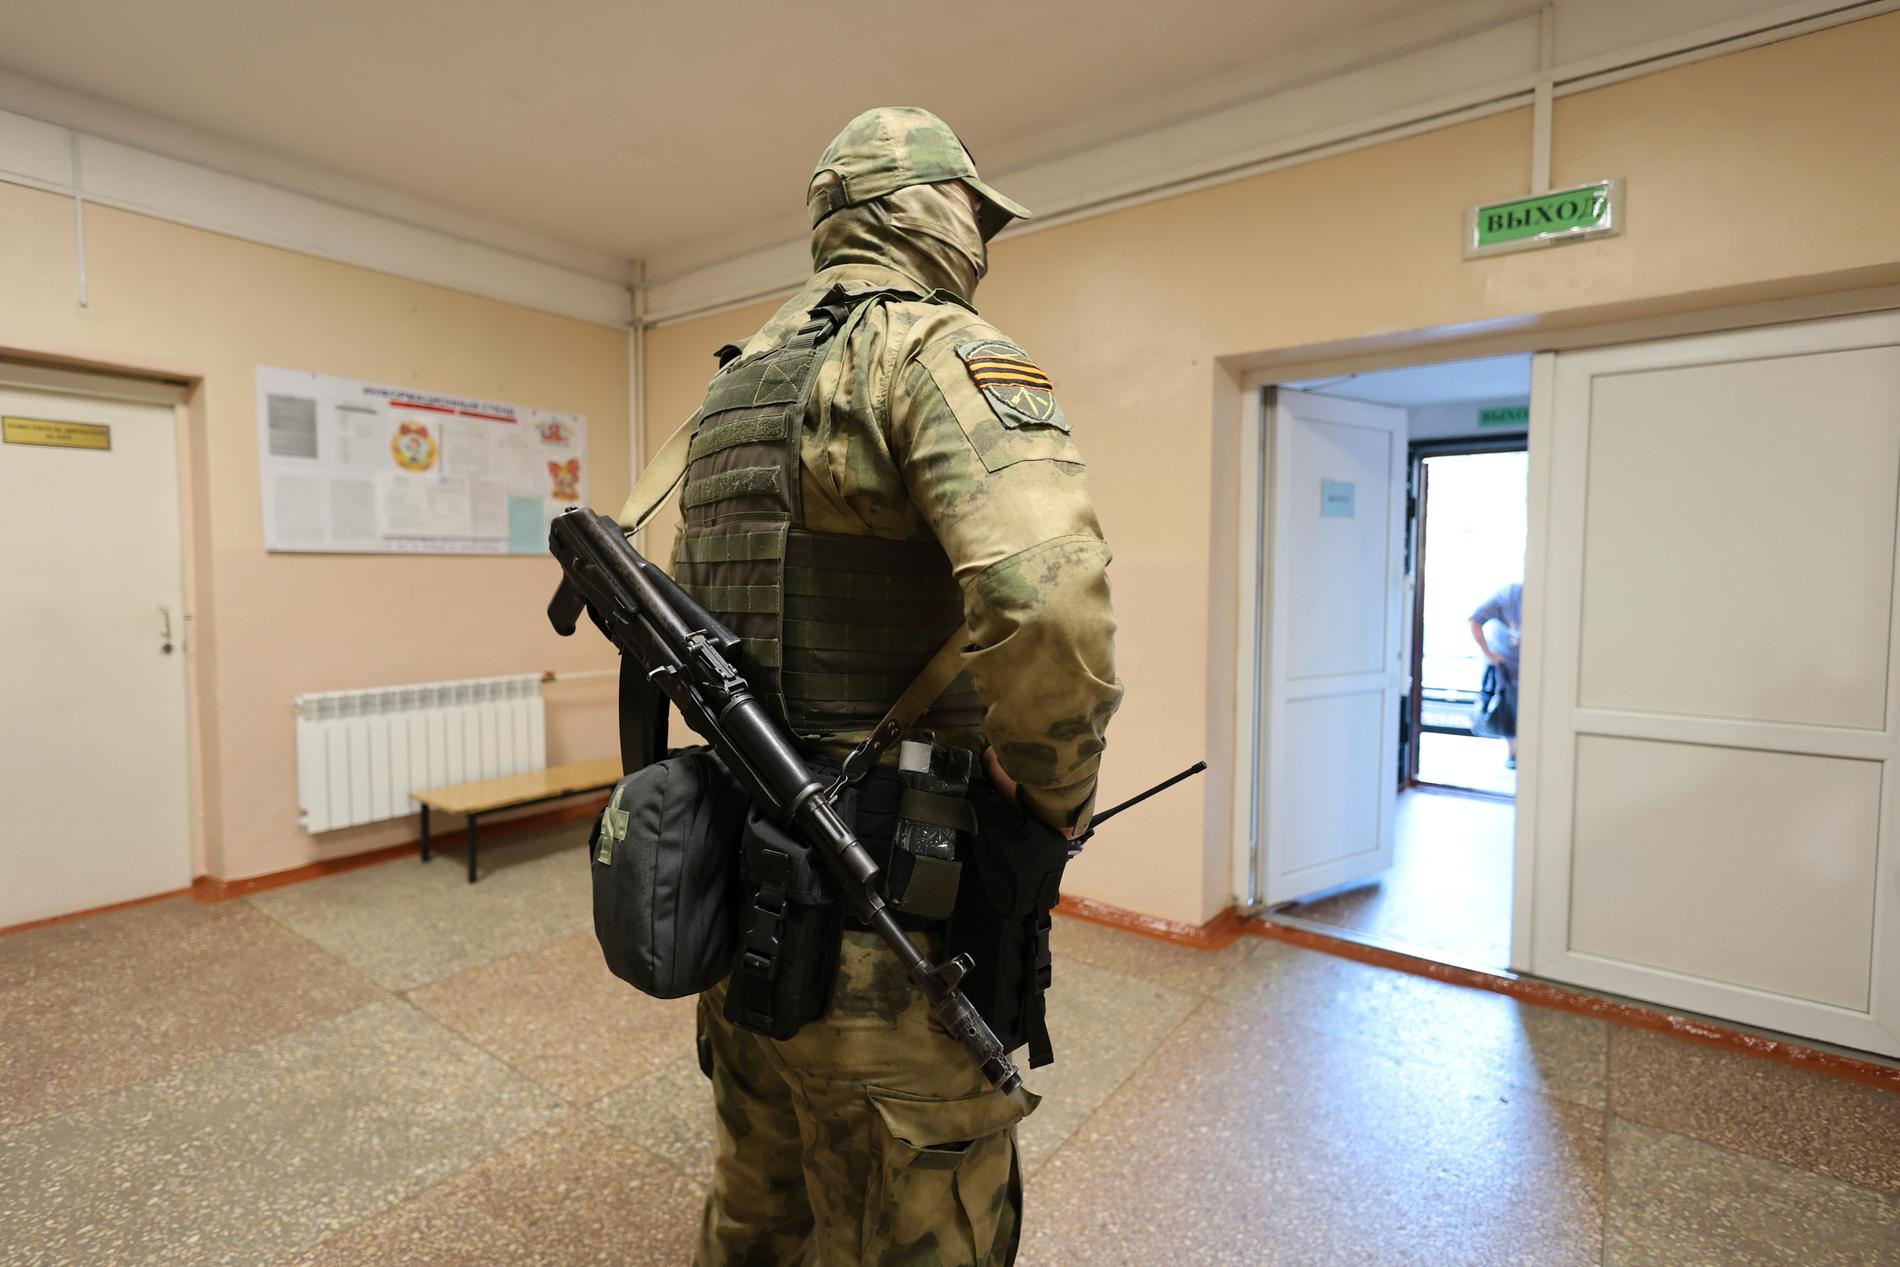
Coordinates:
x,y
1702,823
1374,668
1467,527
95,774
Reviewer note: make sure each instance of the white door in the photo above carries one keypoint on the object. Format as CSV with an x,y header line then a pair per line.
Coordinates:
x,y
94,774
1333,675
1716,744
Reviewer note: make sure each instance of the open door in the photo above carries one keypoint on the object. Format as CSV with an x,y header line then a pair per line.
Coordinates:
x,y
1333,675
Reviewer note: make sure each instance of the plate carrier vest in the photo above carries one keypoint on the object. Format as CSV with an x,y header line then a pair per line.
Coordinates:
x,y
835,625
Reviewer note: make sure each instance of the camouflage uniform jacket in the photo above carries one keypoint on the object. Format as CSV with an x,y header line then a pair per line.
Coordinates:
x,y
901,442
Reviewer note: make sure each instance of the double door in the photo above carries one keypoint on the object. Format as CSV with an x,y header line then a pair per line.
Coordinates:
x,y
1709,729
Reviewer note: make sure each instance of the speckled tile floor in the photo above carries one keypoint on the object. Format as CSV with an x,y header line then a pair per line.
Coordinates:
x,y
391,1067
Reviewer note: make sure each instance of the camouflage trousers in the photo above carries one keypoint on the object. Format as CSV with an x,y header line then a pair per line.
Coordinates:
x,y
868,1138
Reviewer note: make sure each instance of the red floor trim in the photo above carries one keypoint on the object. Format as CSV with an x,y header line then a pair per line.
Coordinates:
x,y
96,910
211,889
1217,934
447,839
208,888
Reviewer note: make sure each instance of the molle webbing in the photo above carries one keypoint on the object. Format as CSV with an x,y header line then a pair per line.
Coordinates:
x,y
744,481
835,626
862,617
730,435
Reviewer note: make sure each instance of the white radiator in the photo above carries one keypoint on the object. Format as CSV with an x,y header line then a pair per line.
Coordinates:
x,y
361,753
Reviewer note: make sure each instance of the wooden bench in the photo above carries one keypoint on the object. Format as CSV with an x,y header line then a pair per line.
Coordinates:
x,y
512,791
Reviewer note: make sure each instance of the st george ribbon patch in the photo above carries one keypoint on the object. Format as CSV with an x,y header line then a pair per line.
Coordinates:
x,y
1020,394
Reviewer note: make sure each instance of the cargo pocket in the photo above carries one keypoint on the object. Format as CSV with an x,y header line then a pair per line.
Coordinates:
x,y
944,1173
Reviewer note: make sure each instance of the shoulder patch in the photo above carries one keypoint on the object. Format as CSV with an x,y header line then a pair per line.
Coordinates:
x,y
1019,393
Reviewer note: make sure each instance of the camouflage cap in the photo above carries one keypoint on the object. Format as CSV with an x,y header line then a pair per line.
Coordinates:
x,y
891,148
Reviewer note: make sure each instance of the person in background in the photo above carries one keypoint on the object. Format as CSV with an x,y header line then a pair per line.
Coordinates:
x,y
1507,608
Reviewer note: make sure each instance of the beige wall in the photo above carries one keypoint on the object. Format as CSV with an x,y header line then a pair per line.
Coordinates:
x,y
268,626
1765,173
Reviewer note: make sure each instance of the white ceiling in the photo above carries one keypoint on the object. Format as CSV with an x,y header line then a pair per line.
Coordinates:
x,y
1489,378
673,133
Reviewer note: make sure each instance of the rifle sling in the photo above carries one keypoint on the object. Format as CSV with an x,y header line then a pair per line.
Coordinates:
x,y
658,479
916,700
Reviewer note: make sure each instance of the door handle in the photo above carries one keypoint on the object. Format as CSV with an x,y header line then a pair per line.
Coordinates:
x,y
165,629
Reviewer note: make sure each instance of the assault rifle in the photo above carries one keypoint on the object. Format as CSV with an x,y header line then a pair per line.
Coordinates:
x,y
688,655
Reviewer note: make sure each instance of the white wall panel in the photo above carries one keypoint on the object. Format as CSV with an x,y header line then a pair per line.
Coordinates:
x,y
1344,628
1740,529
1751,868
1337,780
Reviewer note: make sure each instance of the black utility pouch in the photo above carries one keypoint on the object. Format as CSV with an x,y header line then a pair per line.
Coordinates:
x,y
1011,881
924,874
664,857
791,935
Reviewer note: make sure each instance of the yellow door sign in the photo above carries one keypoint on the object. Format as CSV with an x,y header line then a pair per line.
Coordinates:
x,y
58,435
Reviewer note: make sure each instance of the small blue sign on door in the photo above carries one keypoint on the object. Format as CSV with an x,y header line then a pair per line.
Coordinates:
x,y
1335,499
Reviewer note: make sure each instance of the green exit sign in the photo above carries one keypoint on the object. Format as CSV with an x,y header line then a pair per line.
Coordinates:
x,y
1563,215
1505,416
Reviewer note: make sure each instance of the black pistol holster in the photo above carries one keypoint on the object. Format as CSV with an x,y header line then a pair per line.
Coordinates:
x,y
1012,879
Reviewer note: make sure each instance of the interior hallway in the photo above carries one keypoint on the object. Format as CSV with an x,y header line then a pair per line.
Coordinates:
x,y
1448,892
392,1067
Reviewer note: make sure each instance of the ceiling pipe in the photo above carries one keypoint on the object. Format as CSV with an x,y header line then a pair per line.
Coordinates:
x,y
79,223
1542,95
637,377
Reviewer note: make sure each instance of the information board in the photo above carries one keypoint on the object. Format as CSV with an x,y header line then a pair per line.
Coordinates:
x,y
353,468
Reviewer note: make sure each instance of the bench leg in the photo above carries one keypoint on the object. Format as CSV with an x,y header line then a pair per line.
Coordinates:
x,y
425,833
471,848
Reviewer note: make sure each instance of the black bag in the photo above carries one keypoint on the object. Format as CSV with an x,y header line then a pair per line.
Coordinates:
x,y
665,863
1495,714
790,934
1012,879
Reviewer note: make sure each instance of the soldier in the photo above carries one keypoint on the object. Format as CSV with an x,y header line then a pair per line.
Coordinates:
x,y
934,480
